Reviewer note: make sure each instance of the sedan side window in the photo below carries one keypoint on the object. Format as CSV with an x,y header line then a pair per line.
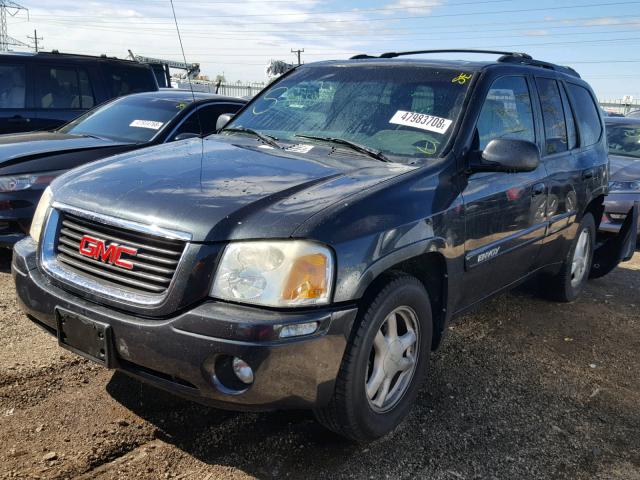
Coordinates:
x,y
506,112
12,86
204,119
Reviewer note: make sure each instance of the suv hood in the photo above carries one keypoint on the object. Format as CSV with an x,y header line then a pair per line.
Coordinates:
x,y
17,148
624,169
222,188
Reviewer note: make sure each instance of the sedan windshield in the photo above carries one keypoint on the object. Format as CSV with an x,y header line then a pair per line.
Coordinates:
x,y
402,112
624,139
134,119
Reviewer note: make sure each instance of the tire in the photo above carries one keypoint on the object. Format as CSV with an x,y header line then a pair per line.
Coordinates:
x,y
565,286
351,412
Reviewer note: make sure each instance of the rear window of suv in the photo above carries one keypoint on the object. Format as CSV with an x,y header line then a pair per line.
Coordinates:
x,y
124,80
586,114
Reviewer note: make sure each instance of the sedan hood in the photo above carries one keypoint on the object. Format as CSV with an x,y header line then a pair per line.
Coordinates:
x,y
624,169
16,148
222,188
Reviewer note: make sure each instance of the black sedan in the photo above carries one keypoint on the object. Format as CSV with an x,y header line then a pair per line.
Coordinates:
x,y
623,137
30,161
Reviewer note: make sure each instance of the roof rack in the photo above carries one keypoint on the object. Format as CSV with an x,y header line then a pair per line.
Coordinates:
x,y
506,57
450,50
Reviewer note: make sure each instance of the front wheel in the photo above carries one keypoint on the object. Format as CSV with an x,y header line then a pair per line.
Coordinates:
x,y
384,364
568,284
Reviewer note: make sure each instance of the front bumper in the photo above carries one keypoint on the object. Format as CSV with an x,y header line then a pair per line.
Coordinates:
x,y
16,212
176,354
616,207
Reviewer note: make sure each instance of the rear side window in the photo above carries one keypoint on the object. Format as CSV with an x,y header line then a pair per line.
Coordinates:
x,y
586,114
125,80
12,86
506,112
63,87
555,128
572,132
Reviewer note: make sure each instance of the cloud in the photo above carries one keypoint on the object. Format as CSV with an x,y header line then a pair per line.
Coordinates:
x,y
423,7
536,33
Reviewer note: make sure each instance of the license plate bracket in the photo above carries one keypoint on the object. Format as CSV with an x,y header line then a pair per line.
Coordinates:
x,y
86,337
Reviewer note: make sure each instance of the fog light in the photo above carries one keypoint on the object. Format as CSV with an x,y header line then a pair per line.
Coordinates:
x,y
298,329
242,370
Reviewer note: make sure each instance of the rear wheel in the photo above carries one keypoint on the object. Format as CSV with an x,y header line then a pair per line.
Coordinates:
x,y
568,284
384,364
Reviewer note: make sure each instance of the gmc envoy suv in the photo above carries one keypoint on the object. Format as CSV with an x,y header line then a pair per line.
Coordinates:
x,y
310,254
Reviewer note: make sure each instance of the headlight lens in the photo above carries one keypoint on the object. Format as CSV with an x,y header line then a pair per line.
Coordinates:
x,y
41,214
283,273
16,183
631,186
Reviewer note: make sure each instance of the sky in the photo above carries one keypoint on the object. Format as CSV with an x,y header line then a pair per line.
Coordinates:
x,y
599,39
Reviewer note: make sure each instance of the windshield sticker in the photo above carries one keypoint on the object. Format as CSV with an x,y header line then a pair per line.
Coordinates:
x,y
421,121
266,147
300,148
146,124
462,78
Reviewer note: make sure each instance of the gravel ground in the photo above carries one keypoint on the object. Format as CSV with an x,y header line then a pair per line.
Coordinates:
x,y
521,388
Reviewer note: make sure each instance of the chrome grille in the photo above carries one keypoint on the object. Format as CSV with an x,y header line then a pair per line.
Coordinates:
x,y
153,266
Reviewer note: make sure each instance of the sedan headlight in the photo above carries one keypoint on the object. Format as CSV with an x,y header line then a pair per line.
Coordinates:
x,y
631,186
41,214
16,183
284,273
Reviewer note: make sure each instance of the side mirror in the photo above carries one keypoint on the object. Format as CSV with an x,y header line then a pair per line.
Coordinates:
x,y
507,155
223,119
185,135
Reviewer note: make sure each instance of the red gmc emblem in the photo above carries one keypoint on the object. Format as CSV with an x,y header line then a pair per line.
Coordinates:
x,y
97,249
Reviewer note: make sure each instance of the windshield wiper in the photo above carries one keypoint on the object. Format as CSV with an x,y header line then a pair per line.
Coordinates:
x,y
371,152
269,140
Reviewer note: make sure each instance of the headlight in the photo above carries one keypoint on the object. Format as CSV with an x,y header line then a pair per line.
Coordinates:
x,y
632,186
41,214
15,183
283,273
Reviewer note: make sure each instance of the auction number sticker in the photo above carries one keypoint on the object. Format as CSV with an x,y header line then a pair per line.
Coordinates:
x,y
421,121
146,124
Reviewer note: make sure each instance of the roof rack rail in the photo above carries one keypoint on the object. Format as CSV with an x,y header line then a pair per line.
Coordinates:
x,y
538,63
449,50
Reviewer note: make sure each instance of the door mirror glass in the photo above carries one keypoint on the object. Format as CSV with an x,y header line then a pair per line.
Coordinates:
x,y
507,155
223,120
184,136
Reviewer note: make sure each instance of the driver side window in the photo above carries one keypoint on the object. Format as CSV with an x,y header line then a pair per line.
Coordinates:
x,y
506,112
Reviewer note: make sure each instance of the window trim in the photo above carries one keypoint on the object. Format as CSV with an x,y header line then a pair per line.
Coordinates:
x,y
26,88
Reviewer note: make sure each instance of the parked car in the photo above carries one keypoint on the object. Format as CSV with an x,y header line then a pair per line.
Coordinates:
x,y
41,91
623,138
634,114
30,161
312,253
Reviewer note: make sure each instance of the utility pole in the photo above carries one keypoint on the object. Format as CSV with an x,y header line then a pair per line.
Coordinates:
x,y
35,39
11,8
298,52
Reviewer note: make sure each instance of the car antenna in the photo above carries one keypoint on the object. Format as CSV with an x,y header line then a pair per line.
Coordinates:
x,y
193,95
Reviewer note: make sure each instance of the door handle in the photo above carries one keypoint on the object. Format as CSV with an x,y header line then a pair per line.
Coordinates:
x,y
538,189
587,174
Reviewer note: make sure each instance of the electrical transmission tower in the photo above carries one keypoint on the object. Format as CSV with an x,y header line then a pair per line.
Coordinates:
x,y
10,8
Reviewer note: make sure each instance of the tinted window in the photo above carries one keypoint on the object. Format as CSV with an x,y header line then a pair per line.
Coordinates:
x,y
205,118
125,80
624,139
86,92
57,87
506,112
12,86
132,119
572,133
586,114
555,129
402,111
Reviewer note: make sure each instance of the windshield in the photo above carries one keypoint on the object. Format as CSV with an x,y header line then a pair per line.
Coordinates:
x,y
401,111
624,139
129,119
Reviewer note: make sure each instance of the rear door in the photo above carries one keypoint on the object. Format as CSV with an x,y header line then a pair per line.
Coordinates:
x,y
15,97
504,212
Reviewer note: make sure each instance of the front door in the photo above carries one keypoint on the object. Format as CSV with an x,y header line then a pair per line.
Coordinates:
x,y
504,212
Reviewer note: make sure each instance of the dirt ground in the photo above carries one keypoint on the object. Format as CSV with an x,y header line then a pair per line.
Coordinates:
x,y
521,388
